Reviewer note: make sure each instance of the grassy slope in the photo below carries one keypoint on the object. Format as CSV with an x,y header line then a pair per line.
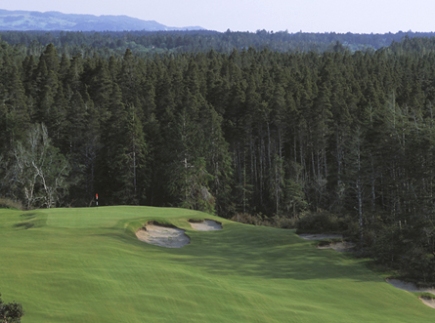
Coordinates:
x,y
86,265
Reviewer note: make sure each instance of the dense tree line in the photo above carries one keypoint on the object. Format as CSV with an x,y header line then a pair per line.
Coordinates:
x,y
253,131
147,43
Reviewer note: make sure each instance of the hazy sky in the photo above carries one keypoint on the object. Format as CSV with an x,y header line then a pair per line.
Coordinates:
x,y
359,16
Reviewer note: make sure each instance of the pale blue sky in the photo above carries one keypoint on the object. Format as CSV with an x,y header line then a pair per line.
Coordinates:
x,y
362,16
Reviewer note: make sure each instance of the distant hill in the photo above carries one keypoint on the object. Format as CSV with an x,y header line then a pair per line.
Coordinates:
x,y
49,21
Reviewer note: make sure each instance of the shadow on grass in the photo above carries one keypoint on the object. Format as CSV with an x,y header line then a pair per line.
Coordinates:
x,y
268,253
28,215
24,225
256,251
33,220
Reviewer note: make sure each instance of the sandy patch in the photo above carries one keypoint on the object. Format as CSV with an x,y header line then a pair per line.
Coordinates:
x,y
428,302
163,236
411,287
320,236
339,246
206,225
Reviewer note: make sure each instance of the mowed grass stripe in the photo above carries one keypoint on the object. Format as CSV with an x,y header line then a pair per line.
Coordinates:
x,y
86,265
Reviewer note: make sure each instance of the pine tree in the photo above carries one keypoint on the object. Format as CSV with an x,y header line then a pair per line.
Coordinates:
x,y
122,162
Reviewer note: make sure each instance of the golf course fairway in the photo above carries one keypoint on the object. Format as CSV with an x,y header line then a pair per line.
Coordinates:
x,y
87,265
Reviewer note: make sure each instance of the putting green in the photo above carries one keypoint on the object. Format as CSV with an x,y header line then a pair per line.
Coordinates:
x,y
87,265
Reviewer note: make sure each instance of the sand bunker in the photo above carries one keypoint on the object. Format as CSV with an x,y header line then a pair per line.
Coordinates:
x,y
411,287
428,302
338,246
206,225
163,236
320,236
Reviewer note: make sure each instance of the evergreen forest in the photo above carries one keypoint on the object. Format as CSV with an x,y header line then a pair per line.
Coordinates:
x,y
337,139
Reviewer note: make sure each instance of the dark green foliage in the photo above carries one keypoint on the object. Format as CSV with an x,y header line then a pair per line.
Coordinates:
x,y
10,312
322,222
10,204
338,135
158,42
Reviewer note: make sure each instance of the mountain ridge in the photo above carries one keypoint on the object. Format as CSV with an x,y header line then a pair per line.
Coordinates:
x,y
21,20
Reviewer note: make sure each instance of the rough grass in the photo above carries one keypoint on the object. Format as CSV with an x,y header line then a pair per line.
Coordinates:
x,y
86,265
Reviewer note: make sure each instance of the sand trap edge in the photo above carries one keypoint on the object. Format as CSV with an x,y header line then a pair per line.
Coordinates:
x,y
411,287
428,302
205,225
319,236
161,235
343,246
408,286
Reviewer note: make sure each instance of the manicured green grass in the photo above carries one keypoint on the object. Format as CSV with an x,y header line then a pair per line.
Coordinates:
x,y
86,265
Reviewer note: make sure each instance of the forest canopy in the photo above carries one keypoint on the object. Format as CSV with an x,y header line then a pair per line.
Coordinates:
x,y
146,43
281,133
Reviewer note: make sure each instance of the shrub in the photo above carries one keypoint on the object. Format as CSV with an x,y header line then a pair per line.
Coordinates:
x,y
10,312
284,222
246,218
10,204
276,221
321,222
